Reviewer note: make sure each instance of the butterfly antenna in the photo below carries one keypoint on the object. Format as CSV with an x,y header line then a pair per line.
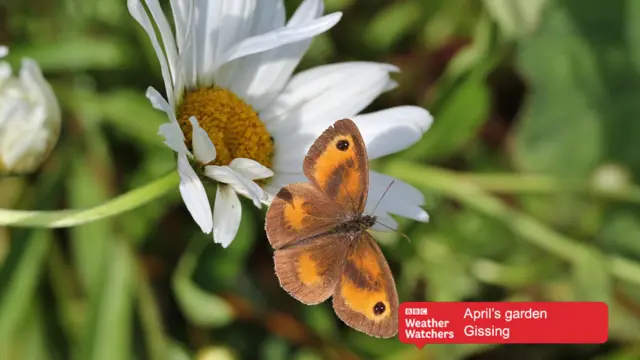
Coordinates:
x,y
383,194
392,229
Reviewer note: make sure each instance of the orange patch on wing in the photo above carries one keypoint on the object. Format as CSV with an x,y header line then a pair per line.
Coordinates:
x,y
363,301
331,158
294,213
366,262
352,185
308,269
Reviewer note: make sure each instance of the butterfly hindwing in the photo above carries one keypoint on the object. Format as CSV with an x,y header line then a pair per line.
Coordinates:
x,y
337,164
365,297
310,270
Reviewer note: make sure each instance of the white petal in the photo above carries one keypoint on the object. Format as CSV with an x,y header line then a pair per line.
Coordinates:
x,y
379,182
228,213
391,84
174,138
401,198
236,75
4,51
297,143
181,10
259,78
32,79
159,103
250,169
274,39
166,34
282,179
184,15
388,131
137,11
239,183
384,222
324,94
205,28
270,15
219,25
203,149
194,195
308,10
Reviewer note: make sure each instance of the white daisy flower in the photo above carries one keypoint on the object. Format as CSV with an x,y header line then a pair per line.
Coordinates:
x,y
236,114
30,117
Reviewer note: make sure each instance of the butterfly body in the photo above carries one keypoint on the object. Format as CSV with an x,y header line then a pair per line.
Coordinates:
x,y
356,225
319,232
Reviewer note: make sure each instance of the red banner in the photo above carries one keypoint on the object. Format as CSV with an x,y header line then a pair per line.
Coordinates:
x,y
422,323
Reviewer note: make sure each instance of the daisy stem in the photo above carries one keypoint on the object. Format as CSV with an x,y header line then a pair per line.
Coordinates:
x,y
463,189
74,217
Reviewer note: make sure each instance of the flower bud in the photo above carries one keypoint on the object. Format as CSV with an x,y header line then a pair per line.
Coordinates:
x,y
29,117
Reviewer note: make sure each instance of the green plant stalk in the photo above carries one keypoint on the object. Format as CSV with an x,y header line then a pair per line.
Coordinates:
x,y
17,300
69,218
150,319
68,305
458,187
548,185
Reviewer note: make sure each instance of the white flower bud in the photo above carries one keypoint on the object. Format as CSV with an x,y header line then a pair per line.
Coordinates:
x,y
29,117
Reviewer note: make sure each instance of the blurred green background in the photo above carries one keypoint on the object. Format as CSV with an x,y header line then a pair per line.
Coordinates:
x,y
529,172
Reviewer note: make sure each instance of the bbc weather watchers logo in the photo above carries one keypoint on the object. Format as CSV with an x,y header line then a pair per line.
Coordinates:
x,y
415,311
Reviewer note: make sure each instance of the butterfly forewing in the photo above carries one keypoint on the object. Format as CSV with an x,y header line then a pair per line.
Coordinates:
x,y
300,211
365,297
337,164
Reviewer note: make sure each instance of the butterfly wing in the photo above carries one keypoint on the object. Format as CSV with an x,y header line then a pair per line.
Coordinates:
x,y
337,164
300,211
309,270
365,297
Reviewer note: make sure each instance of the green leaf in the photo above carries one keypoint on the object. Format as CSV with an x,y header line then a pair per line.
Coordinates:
x,y
516,18
19,291
75,54
560,131
129,112
591,277
393,22
200,307
222,267
30,340
322,320
337,5
274,348
447,274
457,119
577,118
178,352
109,327
89,186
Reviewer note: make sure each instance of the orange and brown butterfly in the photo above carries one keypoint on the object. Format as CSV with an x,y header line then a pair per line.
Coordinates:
x,y
319,233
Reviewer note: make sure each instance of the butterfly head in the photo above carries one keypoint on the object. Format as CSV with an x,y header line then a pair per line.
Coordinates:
x,y
366,222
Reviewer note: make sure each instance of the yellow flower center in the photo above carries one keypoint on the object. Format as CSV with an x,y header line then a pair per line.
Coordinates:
x,y
232,125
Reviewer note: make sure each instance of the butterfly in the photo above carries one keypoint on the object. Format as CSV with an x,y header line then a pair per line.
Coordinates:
x,y
319,233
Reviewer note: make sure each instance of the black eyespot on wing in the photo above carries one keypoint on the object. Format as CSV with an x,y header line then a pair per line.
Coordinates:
x,y
342,145
379,308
